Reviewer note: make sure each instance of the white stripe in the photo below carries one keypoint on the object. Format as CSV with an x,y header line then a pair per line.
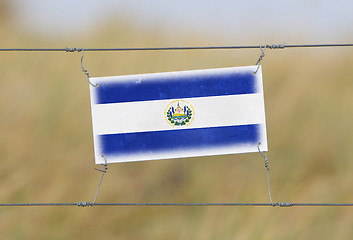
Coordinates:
x,y
149,115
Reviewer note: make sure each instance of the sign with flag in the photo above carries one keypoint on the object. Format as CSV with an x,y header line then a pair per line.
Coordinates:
x,y
178,114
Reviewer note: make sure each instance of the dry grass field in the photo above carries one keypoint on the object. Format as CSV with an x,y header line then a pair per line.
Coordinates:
x,y
46,145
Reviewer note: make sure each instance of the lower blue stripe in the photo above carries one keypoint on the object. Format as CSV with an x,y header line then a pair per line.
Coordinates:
x,y
178,140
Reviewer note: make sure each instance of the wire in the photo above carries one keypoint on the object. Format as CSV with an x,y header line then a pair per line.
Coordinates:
x,y
35,204
263,154
273,46
284,204
103,172
87,204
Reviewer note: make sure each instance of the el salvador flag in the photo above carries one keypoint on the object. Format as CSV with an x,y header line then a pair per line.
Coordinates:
x,y
178,114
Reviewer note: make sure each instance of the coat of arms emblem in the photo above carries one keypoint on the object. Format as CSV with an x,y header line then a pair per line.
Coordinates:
x,y
179,113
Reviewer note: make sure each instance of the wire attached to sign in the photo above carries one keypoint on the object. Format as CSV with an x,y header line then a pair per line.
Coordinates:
x,y
85,71
260,59
273,46
263,154
103,172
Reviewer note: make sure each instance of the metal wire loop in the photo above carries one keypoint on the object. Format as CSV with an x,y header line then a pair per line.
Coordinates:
x,y
85,71
273,46
103,172
105,164
263,154
260,59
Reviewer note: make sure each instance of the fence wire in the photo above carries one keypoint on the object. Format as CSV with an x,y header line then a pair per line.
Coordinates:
x,y
268,46
88,204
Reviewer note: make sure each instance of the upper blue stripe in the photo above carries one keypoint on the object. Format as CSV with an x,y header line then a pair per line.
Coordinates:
x,y
176,86
178,140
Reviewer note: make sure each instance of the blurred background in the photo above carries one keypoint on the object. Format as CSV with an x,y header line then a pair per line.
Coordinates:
x,y
46,142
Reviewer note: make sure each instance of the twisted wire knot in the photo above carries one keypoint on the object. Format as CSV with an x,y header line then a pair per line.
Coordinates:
x,y
85,71
267,164
68,49
283,204
276,46
84,204
273,46
263,154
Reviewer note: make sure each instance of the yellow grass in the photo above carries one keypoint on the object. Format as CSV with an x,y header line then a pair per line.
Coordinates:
x,y
46,146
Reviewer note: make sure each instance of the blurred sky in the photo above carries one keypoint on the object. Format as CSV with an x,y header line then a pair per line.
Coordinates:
x,y
237,20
